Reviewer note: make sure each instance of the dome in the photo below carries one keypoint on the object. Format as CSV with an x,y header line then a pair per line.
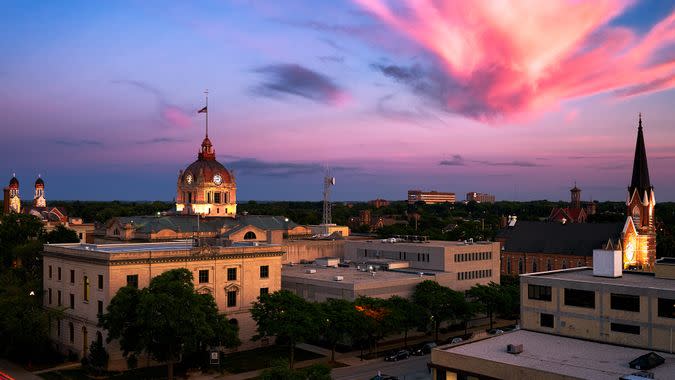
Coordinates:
x,y
13,183
204,170
39,182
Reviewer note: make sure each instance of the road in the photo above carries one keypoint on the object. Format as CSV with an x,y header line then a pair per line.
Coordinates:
x,y
413,368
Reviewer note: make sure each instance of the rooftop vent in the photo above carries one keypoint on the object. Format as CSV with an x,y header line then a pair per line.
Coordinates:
x,y
338,278
310,271
514,349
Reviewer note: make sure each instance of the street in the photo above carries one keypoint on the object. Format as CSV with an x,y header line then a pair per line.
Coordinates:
x,y
413,368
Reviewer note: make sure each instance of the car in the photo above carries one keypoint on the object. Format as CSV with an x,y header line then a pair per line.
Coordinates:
x,y
398,355
456,340
383,377
495,332
424,349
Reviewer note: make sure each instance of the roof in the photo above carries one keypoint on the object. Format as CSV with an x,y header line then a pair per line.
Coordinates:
x,y
349,275
188,223
578,239
574,358
642,280
640,178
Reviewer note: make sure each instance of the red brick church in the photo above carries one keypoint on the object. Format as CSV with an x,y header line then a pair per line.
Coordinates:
x,y
567,241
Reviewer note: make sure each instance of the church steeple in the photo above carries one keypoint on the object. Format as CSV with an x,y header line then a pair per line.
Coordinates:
x,y
640,179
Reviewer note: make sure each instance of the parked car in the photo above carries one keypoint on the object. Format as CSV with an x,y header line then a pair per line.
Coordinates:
x,y
456,340
495,332
398,355
384,377
424,349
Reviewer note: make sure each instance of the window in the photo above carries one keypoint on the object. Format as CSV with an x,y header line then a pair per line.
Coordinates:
x,y
58,273
546,320
539,292
250,235
50,271
100,281
627,329
549,265
564,264
85,284
50,295
625,302
534,265
100,307
264,291
216,198
71,332
666,308
508,265
231,274
132,280
72,276
232,298
580,298
264,271
72,301
99,337
204,276
58,297
520,265
579,264
79,235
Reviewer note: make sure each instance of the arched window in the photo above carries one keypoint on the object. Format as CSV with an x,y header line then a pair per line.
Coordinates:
x,y
508,265
534,266
250,235
579,263
549,265
520,265
99,337
564,264
234,322
116,232
71,332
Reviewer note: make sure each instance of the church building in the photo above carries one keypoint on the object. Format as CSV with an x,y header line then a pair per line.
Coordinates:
x,y
566,241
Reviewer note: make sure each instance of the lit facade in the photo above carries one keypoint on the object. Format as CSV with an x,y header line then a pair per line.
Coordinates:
x,y
430,197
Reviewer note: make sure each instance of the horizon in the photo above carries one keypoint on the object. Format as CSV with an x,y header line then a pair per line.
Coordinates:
x,y
101,100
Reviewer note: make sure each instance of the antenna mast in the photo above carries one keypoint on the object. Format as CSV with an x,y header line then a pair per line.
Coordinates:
x,y
328,183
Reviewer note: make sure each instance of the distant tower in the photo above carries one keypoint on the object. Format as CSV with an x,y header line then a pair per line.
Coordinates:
x,y
12,202
575,193
39,198
640,232
328,183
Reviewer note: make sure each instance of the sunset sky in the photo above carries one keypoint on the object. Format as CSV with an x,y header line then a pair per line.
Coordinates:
x,y
515,98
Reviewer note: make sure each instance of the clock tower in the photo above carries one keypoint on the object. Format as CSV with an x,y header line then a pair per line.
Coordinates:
x,y
11,201
639,233
206,187
39,198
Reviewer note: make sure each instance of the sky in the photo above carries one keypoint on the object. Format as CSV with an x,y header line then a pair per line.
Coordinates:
x,y
515,98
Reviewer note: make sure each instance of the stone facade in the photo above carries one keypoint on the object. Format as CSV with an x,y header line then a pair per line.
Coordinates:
x,y
92,274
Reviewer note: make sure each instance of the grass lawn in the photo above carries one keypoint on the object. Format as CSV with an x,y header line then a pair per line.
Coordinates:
x,y
260,358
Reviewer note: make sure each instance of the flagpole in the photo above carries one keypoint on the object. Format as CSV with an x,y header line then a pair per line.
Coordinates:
x,y
207,112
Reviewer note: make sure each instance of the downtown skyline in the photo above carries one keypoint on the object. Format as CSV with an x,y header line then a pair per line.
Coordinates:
x,y
101,99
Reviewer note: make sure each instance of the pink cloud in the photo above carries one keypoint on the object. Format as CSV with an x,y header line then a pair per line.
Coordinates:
x,y
571,115
176,116
509,57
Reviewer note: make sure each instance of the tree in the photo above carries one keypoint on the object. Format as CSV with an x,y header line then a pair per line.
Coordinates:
x,y
16,230
98,357
61,234
404,315
489,297
281,371
439,303
287,316
372,321
338,321
166,320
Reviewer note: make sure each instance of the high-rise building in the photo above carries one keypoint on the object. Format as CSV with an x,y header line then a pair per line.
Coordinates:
x,y
430,197
480,197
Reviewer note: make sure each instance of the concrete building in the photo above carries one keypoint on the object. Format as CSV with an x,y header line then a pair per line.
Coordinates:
x,y
430,197
543,356
329,229
467,263
634,309
83,278
317,283
480,197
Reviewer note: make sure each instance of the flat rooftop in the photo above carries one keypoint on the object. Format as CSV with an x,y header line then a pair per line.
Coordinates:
x,y
628,279
350,275
563,356
178,245
428,243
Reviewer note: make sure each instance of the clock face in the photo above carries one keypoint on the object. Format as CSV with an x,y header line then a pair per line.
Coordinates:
x,y
217,179
188,179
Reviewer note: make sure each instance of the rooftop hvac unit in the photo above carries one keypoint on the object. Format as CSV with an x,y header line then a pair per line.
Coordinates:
x,y
514,348
338,278
310,271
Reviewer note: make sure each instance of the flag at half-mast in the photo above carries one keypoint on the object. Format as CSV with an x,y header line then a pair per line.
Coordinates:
x,y
203,110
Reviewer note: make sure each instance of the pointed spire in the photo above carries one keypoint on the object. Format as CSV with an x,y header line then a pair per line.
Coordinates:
x,y
640,179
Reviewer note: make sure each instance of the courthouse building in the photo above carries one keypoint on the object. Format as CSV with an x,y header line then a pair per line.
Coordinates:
x,y
81,279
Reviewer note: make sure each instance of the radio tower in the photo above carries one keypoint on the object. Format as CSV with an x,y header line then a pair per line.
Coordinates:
x,y
328,183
